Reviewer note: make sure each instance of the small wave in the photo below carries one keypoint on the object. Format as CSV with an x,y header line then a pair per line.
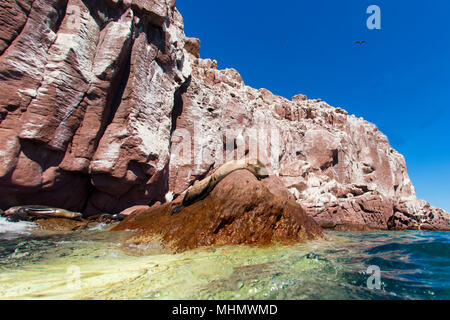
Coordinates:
x,y
99,227
8,228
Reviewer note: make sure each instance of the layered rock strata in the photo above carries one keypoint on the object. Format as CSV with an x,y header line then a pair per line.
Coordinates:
x,y
107,104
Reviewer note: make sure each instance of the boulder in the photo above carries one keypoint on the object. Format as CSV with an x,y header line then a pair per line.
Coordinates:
x,y
240,210
61,225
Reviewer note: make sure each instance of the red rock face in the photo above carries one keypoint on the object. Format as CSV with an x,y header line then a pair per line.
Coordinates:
x,y
13,15
106,104
86,99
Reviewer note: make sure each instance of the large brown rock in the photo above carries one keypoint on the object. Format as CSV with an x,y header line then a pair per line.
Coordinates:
x,y
106,104
240,210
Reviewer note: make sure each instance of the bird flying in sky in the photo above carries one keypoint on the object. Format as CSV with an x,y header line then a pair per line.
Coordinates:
x,y
360,42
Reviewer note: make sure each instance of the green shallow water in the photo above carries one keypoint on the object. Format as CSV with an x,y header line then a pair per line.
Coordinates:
x,y
33,265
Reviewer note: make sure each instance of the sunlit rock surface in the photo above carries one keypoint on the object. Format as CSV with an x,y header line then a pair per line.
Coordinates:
x,y
240,210
106,104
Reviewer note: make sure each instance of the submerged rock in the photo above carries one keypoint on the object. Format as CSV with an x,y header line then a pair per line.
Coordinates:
x,y
61,225
240,210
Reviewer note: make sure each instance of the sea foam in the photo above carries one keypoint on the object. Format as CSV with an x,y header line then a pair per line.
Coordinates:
x,y
10,229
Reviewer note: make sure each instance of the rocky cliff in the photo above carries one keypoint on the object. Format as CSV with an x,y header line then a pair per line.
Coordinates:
x,y
106,104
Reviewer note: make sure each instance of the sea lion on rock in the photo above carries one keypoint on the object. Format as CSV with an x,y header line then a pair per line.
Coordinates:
x,y
40,212
15,215
119,217
202,188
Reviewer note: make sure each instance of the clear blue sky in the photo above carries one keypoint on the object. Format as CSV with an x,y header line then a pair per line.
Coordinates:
x,y
400,80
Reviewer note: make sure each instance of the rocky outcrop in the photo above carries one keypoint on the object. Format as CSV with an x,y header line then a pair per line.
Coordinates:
x,y
240,210
106,104
421,217
341,168
87,90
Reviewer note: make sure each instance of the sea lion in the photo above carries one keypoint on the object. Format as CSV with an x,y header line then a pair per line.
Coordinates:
x,y
15,215
41,212
202,188
119,217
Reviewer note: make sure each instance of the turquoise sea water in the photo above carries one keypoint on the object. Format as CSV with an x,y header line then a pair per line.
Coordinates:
x,y
94,265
